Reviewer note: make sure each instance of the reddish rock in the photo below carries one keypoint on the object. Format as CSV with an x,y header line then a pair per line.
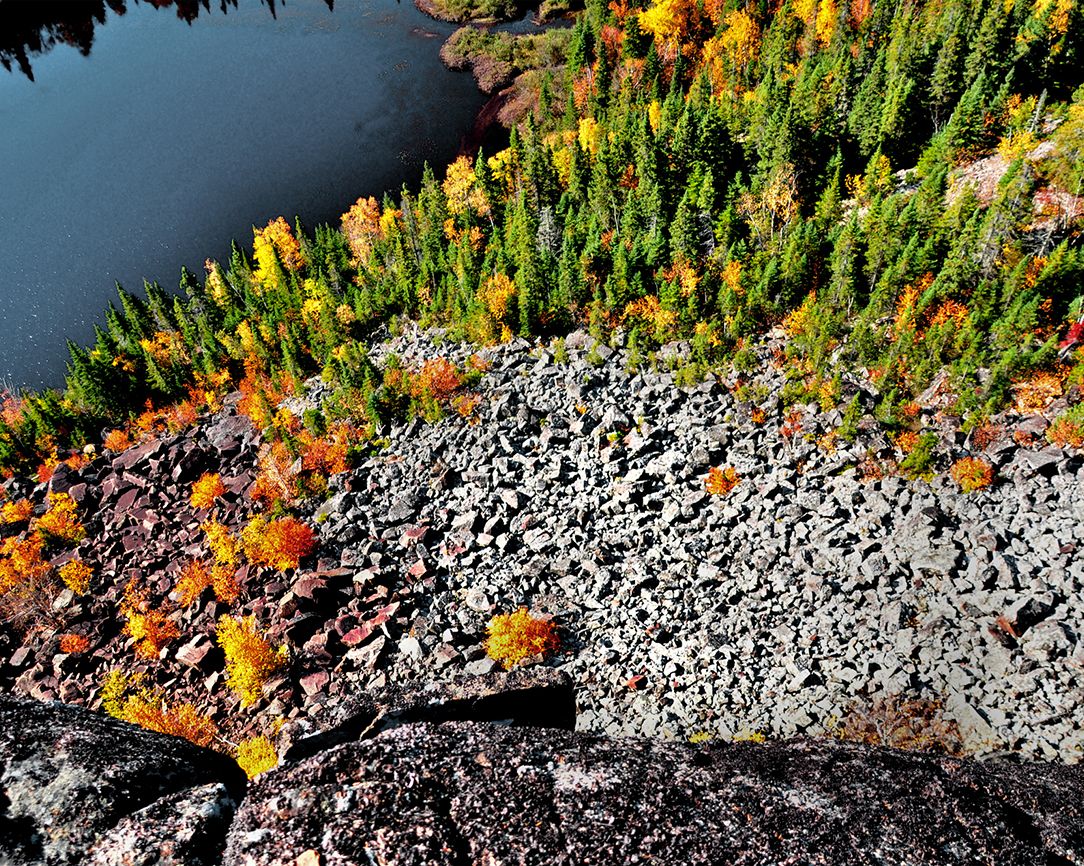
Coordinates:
x,y
413,535
315,682
21,656
195,651
360,634
127,500
309,587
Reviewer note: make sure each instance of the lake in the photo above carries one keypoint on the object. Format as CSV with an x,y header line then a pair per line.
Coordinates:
x,y
169,137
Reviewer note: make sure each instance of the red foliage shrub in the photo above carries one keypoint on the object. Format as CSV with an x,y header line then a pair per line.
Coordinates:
x,y
280,544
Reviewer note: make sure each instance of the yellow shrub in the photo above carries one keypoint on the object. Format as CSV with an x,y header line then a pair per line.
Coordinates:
x,y
129,698
207,490
256,755
61,521
18,511
515,637
76,576
223,545
250,658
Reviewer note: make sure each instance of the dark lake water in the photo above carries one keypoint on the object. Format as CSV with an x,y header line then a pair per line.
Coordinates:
x,y
169,138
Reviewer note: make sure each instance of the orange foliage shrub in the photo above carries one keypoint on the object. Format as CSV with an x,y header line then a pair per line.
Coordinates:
x,y
149,627
1036,393
197,576
985,434
61,521
438,380
18,511
21,562
720,481
78,460
76,575
46,469
129,699
972,473
280,544
207,490
259,394
1067,430
73,644
906,441
792,424
118,440
513,638
250,658
282,478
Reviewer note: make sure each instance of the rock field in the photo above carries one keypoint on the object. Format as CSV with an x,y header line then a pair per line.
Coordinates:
x,y
578,490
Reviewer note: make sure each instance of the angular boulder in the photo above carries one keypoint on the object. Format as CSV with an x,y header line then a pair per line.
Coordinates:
x,y
68,776
467,793
533,697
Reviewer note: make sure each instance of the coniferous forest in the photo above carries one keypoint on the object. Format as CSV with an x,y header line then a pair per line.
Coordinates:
x,y
898,186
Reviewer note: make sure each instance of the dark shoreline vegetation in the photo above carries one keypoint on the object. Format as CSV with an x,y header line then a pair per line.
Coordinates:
x,y
897,187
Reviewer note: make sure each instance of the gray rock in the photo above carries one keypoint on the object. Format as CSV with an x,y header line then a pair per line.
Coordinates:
x,y
185,829
68,776
468,793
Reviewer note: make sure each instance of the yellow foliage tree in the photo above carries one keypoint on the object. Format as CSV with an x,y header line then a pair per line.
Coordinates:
x,y
666,20
361,226
827,15
462,189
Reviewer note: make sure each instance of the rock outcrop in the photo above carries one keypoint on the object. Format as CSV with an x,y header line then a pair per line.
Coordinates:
x,y
461,793
80,788
71,779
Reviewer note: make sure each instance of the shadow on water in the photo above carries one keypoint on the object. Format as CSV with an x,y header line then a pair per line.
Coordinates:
x,y
29,29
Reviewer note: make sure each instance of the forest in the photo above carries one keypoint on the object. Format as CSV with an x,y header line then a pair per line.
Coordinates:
x,y
897,185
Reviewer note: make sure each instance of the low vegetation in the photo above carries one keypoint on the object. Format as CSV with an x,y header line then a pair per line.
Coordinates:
x,y
918,724
515,638
251,660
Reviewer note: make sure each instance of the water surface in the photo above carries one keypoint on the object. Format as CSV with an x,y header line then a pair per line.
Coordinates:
x,y
159,140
